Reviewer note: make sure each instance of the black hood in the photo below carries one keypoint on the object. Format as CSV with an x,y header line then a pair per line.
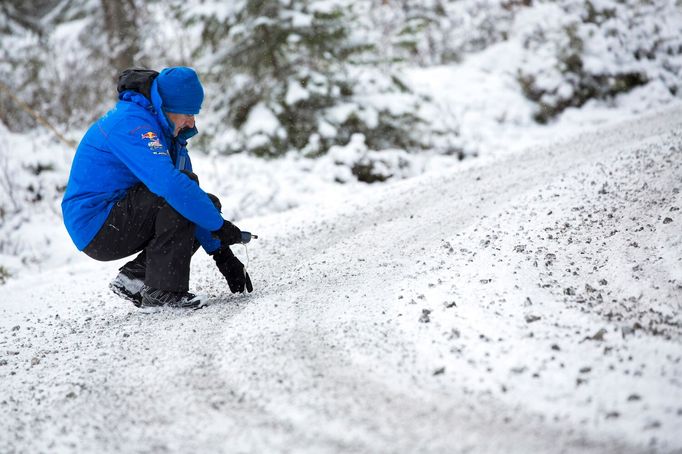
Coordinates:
x,y
139,80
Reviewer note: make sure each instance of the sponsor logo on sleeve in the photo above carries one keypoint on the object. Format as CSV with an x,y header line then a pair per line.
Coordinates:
x,y
154,143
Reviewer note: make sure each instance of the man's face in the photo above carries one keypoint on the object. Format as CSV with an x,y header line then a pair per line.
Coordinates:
x,y
181,121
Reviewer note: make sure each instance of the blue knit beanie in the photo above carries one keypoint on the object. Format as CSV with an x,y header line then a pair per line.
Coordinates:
x,y
180,90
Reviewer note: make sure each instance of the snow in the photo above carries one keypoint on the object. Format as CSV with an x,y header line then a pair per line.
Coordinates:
x,y
326,130
296,93
498,120
261,120
220,11
325,6
300,20
527,302
340,112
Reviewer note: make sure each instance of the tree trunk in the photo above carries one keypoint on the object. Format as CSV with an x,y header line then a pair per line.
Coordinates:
x,y
121,28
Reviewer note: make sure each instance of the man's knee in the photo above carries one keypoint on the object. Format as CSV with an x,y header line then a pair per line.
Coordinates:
x,y
192,176
215,201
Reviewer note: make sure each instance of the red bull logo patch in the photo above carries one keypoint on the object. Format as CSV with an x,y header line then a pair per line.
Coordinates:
x,y
149,135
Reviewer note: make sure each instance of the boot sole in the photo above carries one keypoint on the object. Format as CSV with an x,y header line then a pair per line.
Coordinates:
x,y
134,298
197,302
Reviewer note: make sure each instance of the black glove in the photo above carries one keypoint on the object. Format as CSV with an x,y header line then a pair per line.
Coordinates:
x,y
233,270
246,237
228,234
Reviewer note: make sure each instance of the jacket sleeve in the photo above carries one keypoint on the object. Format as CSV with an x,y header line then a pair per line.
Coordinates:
x,y
203,236
152,165
206,240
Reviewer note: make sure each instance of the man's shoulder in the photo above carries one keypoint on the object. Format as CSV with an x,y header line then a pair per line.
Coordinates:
x,y
130,111
129,119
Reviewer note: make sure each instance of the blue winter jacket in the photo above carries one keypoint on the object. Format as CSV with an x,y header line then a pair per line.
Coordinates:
x,y
133,143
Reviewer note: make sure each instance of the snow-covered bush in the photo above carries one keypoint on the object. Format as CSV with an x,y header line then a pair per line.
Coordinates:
x,y
356,161
577,50
33,174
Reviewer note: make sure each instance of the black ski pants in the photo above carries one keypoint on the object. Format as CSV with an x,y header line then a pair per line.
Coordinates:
x,y
144,223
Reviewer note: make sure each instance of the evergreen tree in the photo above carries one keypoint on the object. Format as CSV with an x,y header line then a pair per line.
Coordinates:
x,y
292,81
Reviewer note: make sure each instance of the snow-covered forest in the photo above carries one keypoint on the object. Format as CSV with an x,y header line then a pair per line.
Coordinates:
x,y
468,221
338,92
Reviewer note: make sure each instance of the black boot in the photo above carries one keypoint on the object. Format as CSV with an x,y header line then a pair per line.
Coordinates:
x,y
129,282
152,297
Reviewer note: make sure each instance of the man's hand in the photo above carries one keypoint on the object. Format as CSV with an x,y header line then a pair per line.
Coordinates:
x,y
228,234
233,270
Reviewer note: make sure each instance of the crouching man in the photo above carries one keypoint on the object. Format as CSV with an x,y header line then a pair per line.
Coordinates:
x,y
131,190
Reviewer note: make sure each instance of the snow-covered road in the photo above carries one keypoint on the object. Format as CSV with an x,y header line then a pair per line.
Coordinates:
x,y
526,304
